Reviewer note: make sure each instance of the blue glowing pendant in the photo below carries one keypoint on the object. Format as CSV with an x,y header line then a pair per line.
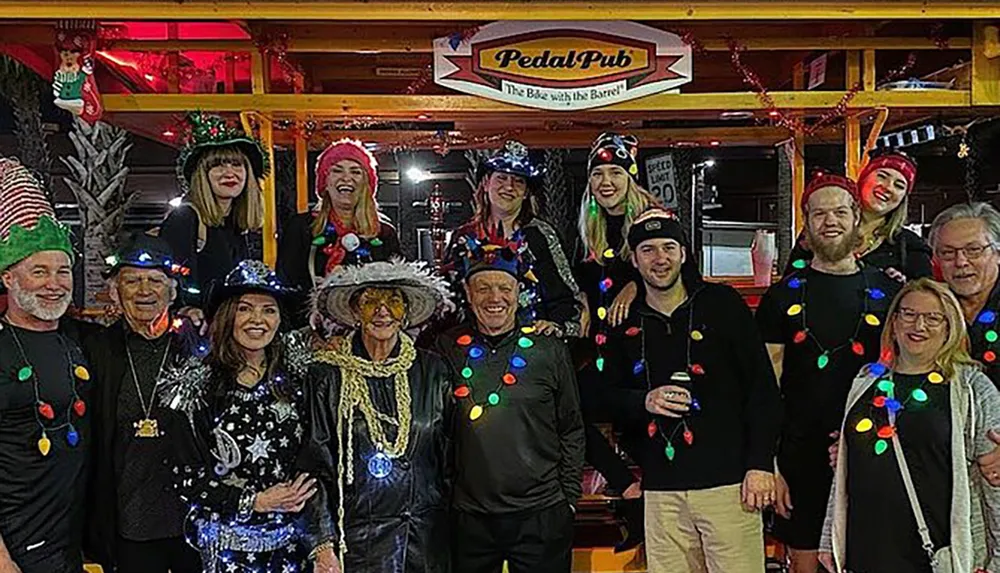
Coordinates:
x,y
380,466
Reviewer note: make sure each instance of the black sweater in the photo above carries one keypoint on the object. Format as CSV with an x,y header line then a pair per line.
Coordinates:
x,y
906,253
526,453
736,427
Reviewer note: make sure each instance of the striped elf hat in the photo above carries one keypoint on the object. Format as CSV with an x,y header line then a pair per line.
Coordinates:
x,y
28,223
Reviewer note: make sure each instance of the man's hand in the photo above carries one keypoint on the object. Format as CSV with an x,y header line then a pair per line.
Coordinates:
x,y
757,491
286,497
326,561
826,559
989,464
619,307
7,564
782,497
548,328
197,318
670,401
834,449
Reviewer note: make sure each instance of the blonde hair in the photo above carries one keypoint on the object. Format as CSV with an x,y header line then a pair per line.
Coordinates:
x,y
594,229
366,221
248,207
893,222
955,350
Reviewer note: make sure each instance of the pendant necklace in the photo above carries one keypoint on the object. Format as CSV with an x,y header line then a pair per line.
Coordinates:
x,y
147,426
44,410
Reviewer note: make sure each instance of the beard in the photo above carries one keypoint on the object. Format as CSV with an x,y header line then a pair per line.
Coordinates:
x,y
35,306
833,251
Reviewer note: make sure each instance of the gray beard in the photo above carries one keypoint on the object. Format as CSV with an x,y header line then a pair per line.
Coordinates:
x,y
30,303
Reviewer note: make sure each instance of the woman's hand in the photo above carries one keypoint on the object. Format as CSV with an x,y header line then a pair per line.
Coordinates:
x,y
619,308
286,497
548,328
326,561
197,318
757,491
826,559
670,401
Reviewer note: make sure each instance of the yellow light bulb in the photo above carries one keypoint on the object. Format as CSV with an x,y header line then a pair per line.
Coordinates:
x,y
476,412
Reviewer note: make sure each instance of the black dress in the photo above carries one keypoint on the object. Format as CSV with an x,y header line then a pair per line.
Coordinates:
x,y
906,253
817,371
396,523
225,246
881,529
302,262
229,443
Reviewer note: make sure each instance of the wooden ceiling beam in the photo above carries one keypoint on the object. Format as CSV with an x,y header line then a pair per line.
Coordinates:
x,y
358,10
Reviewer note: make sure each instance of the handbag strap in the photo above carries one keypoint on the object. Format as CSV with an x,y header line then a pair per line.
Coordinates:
x,y
925,533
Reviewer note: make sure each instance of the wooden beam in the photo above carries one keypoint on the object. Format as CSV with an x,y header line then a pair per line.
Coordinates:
x,y
852,124
259,74
985,70
579,138
397,44
869,74
301,170
450,106
479,10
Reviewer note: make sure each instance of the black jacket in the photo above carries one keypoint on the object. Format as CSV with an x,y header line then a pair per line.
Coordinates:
x,y
527,452
105,350
399,522
736,426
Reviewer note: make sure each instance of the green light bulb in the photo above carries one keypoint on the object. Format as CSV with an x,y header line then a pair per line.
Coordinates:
x,y
823,360
466,372
880,447
493,399
991,336
600,364
799,264
886,385
919,395
525,342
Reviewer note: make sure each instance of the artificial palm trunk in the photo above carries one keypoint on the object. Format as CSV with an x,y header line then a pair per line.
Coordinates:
x,y
22,88
97,176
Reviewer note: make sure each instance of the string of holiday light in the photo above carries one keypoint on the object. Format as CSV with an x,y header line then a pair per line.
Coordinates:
x,y
885,402
473,353
798,309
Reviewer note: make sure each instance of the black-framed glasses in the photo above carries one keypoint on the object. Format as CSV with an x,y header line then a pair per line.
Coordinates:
x,y
971,252
931,319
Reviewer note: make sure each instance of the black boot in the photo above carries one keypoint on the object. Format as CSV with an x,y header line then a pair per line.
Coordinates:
x,y
631,514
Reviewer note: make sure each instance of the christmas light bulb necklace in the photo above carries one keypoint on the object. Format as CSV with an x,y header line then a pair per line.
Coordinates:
x,y
474,351
886,402
640,368
988,318
795,282
43,410
603,286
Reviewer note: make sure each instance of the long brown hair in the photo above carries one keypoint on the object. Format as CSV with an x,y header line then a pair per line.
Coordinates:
x,y
248,208
955,350
481,216
226,355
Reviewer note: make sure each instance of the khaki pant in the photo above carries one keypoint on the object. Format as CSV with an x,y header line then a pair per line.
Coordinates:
x,y
702,531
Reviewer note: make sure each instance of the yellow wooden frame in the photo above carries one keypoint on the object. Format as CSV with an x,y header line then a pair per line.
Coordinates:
x,y
478,10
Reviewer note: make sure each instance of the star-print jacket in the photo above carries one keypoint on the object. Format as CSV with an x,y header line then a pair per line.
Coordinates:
x,y
229,442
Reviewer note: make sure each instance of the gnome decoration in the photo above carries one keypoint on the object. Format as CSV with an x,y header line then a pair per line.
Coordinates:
x,y
73,83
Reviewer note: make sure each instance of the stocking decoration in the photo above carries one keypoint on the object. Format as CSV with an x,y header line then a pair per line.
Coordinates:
x,y
73,83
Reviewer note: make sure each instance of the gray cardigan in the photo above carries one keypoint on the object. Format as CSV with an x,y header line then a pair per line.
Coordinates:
x,y
975,505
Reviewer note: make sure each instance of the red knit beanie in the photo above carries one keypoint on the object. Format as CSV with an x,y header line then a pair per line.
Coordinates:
x,y
821,180
346,149
896,161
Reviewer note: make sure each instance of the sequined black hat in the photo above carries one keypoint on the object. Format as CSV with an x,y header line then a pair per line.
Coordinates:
x,y
248,276
515,159
145,252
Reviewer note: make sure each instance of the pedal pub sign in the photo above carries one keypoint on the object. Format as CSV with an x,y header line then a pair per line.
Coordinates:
x,y
563,65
